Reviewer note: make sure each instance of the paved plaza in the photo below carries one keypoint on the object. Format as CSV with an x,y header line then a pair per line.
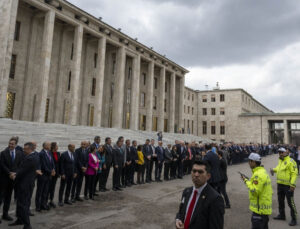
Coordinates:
x,y
153,206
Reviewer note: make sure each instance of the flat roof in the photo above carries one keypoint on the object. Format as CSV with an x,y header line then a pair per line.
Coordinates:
x,y
269,114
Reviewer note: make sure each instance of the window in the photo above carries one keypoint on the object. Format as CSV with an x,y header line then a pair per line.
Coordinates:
x,y
213,98
192,110
17,31
154,102
142,99
204,127
113,70
129,73
166,87
183,108
192,97
213,127
94,87
145,78
69,80
72,51
213,111
112,87
13,64
95,60
155,83
222,128
204,98
222,98
165,105
204,111
188,109
222,111
184,95
128,96
189,96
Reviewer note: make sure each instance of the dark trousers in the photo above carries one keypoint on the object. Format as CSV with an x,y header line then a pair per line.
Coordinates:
x,y
174,165
140,174
123,175
298,165
148,170
8,187
41,196
63,182
222,189
90,184
259,221
77,185
151,169
131,172
52,186
117,177
189,165
282,192
184,167
23,206
97,180
128,172
180,168
105,174
158,169
167,170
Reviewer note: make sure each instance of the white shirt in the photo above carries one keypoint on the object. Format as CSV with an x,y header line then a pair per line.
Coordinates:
x,y
199,190
70,155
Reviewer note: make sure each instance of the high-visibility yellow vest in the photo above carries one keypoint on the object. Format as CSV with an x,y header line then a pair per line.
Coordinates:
x,y
260,191
287,171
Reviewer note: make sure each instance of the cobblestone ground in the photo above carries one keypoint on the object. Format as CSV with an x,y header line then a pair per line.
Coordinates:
x,y
153,206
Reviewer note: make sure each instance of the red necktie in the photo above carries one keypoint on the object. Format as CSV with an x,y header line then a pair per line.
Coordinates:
x,y
190,211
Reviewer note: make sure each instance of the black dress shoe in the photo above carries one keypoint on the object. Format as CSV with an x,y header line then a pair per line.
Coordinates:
x,y
60,204
38,210
79,199
115,189
119,189
7,218
133,183
102,190
227,206
293,222
16,223
52,205
279,217
106,189
95,194
31,214
68,202
73,201
86,198
46,207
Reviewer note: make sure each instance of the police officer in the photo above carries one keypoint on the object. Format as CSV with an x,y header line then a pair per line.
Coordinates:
x,y
260,193
286,182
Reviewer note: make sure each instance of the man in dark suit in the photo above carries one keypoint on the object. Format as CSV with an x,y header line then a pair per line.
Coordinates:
x,y
181,157
153,157
214,162
68,172
118,163
147,155
81,155
159,151
201,206
97,141
43,181
128,161
108,162
134,159
11,159
25,177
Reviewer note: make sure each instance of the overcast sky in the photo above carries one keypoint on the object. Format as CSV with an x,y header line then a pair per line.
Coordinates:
x,y
254,45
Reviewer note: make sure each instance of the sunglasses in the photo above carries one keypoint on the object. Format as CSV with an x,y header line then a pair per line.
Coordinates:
x,y
197,171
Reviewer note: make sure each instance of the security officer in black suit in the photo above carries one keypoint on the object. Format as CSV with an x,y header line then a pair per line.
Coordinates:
x,y
134,159
81,155
68,172
148,158
108,162
24,178
11,159
118,163
48,171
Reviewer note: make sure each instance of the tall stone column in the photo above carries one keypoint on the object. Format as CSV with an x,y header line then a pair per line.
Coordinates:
x,y
118,97
149,96
172,103
100,80
45,66
286,132
181,99
76,74
135,94
8,15
161,100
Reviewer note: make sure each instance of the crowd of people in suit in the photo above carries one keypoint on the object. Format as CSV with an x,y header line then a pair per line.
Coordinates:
x,y
25,168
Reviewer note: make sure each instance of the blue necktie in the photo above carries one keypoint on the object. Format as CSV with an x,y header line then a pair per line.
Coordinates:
x,y
12,156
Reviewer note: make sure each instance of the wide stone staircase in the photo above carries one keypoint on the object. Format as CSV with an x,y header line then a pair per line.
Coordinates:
x,y
65,134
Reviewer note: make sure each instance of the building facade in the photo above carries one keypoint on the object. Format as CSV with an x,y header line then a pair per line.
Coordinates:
x,y
61,65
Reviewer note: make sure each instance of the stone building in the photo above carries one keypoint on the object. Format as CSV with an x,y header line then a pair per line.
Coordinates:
x,y
61,65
